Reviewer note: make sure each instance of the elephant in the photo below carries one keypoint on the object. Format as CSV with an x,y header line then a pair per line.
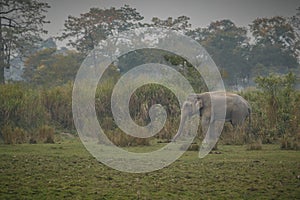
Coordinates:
x,y
237,109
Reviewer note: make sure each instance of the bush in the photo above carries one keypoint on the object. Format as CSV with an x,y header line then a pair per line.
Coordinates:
x,y
234,136
256,145
275,109
123,140
58,105
14,135
279,103
291,142
46,134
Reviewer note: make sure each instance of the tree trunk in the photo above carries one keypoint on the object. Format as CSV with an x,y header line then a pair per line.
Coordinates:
x,y
2,56
2,81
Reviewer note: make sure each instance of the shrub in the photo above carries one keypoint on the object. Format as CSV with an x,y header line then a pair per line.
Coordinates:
x,y
123,140
279,102
13,135
255,145
291,142
46,134
58,105
234,136
194,147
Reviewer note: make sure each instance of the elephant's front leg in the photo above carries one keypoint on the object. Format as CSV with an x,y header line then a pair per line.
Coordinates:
x,y
181,130
205,125
209,130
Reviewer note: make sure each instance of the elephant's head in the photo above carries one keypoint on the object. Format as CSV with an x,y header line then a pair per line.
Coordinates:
x,y
190,107
196,104
202,102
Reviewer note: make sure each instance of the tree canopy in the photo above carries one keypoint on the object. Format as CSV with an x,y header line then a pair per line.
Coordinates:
x,y
49,68
85,32
273,46
21,23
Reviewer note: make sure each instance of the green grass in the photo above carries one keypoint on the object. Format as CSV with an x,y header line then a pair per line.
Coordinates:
x,y
68,171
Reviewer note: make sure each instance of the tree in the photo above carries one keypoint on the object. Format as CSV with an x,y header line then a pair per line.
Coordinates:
x,y
280,97
34,61
179,24
295,22
228,46
276,44
275,31
49,68
21,23
85,32
271,58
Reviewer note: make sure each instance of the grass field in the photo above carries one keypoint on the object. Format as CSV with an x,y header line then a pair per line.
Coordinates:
x,y
68,171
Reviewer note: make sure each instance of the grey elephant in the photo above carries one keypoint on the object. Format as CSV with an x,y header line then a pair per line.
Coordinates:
x,y
237,109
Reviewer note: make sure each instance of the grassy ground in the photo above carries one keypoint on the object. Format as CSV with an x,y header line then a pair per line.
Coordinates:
x,y
68,171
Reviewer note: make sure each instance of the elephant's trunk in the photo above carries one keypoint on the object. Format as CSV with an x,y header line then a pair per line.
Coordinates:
x,y
181,126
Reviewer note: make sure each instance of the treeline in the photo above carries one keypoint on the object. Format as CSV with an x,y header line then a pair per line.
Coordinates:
x,y
34,115
267,45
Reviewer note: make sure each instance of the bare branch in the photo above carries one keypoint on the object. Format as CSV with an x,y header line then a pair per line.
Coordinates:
x,y
9,11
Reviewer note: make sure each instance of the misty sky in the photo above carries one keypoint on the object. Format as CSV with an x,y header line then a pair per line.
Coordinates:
x,y
201,12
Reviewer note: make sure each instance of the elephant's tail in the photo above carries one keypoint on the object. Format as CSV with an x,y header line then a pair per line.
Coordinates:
x,y
249,112
249,118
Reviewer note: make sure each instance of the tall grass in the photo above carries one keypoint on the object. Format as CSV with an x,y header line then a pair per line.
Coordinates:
x,y
28,114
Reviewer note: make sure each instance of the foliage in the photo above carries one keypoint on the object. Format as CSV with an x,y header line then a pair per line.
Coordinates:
x,y
49,68
14,135
278,91
140,103
121,139
188,71
52,73
57,102
85,32
272,120
271,59
45,134
228,46
276,45
275,31
179,24
291,143
221,36
257,145
275,108
20,107
21,23
24,110
295,22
